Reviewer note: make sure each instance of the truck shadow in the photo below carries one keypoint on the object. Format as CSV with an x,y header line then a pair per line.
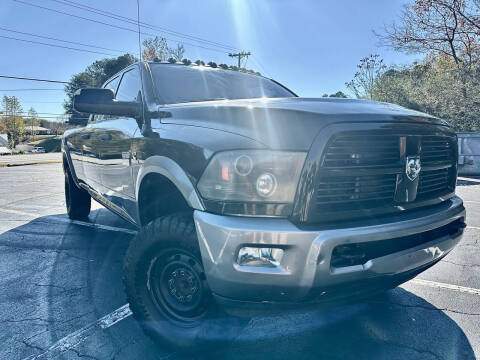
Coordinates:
x,y
68,275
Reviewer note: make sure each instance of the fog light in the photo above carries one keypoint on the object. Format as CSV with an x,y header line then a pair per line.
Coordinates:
x,y
259,256
266,185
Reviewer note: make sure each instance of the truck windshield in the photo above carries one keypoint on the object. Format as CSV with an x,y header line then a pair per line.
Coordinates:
x,y
178,84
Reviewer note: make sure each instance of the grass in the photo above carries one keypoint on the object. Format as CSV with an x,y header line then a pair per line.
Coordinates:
x,y
50,144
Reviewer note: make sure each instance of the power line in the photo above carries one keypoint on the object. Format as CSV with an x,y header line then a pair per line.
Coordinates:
x,y
52,45
33,79
143,24
110,25
44,113
61,40
41,102
37,89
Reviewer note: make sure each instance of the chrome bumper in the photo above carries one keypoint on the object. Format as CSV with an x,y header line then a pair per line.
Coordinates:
x,y
306,261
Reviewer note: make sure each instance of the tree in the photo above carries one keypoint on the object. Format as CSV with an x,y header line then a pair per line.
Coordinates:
x,y
13,121
442,27
93,76
178,52
338,94
433,86
33,120
369,70
156,47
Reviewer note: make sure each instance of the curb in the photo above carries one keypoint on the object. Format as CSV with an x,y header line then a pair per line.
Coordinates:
x,y
31,163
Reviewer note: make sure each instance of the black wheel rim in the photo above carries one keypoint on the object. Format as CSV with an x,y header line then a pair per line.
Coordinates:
x,y
176,284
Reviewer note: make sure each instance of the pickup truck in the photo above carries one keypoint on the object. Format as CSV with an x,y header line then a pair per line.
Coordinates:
x,y
246,194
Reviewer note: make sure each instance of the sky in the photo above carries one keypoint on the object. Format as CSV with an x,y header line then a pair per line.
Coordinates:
x,y
310,46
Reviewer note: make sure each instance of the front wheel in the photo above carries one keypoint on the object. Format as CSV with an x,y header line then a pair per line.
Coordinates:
x,y
166,285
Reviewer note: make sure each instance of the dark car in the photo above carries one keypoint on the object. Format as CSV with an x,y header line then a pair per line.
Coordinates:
x,y
244,193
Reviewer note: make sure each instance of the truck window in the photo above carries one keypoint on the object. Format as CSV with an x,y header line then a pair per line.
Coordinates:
x,y
129,86
113,84
178,83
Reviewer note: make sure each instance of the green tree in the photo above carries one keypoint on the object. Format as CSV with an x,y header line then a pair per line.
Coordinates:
x,y
338,94
447,28
13,121
434,86
93,76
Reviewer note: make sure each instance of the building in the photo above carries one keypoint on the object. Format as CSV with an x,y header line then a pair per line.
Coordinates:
x,y
468,153
37,130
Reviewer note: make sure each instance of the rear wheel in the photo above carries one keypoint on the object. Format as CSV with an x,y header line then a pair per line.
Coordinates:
x,y
166,285
78,201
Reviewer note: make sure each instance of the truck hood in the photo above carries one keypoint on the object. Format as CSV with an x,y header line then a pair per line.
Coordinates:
x,y
288,123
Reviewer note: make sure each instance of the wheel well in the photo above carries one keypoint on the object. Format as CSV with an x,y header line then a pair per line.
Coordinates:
x,y
157,197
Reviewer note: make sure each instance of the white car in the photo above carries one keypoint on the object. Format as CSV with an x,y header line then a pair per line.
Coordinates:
x,y
38,149
5,151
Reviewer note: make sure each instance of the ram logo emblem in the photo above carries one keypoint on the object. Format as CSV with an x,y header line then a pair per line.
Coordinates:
x,y
413,167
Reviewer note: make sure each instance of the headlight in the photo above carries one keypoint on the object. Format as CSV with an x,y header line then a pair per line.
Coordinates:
x,y
252,176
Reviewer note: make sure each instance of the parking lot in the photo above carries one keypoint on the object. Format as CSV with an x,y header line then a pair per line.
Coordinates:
x,y
61,293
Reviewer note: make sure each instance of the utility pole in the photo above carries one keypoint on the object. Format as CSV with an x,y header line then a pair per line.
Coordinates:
x,y
240,55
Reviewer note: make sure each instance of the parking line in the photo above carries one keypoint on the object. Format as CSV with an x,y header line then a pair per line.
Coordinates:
x,y
473,227
440,285
17,212
76,338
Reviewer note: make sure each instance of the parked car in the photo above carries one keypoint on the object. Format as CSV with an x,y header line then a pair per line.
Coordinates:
x,y
5,151
468,153
246,194
38,149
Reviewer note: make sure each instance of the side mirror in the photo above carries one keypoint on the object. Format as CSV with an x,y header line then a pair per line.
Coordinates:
x,y
102,101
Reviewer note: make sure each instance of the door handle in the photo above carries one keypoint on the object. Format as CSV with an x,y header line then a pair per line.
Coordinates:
x,y
86,136
105,137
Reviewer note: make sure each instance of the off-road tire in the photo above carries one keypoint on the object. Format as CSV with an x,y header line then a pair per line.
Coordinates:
x,y
163,238
77,200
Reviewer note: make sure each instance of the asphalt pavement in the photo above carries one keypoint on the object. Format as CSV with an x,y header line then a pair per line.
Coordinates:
x,y
61,294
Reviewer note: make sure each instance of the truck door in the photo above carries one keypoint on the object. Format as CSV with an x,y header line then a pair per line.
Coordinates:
x,y
92,144
115,136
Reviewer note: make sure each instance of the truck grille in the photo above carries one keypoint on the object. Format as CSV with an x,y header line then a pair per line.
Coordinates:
x,y
433,182
366,191
361,170
353,151
435,150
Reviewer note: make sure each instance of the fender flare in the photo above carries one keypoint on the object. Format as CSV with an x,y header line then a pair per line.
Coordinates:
x,y
172,171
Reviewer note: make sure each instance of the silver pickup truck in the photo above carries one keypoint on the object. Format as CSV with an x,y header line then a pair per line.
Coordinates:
x,y
246,194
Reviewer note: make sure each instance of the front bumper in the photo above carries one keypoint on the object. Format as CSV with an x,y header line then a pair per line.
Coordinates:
x,y
306,268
